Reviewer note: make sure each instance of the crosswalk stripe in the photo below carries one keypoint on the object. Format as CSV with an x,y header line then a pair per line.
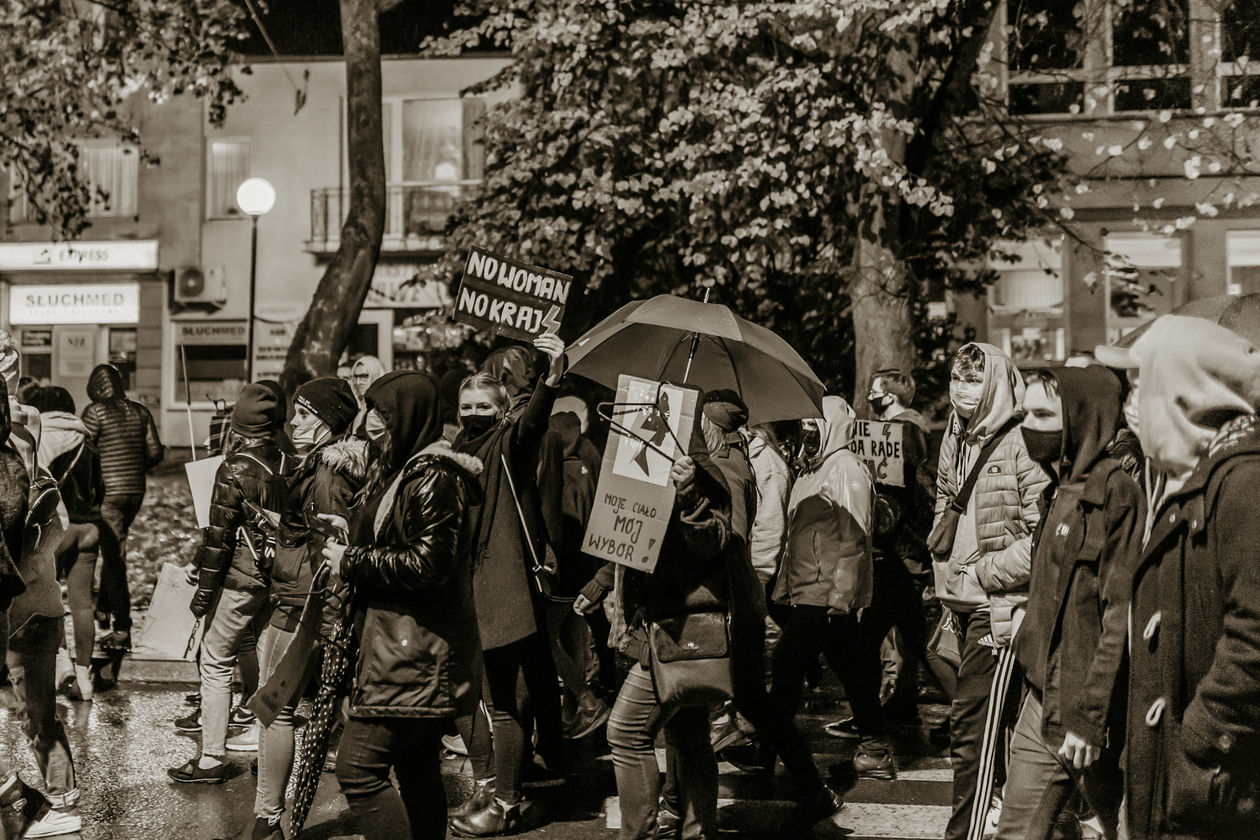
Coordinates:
x,y
860,820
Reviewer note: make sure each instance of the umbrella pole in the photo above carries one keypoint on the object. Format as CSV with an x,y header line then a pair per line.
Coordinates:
x,y
695,343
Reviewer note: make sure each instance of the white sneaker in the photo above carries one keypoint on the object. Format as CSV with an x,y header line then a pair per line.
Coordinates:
x,y
56,823
246,741
454,744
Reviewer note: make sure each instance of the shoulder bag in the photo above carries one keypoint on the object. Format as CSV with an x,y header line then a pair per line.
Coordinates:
x,y
941,541
689,657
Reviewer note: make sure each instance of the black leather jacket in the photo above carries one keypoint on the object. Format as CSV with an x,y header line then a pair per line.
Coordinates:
x,y
419,650
245,482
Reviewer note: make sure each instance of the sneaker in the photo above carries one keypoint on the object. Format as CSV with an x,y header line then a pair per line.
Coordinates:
x,y
874,760
749,758
190,722
56,823
83,682
119,641
192,773
65,672
21,807
811,810
842,729
193,699
727,734
668,824
454,744
588,721
994,816
244,741
242,716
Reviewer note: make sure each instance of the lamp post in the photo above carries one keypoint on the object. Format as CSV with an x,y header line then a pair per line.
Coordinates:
x,y
255,197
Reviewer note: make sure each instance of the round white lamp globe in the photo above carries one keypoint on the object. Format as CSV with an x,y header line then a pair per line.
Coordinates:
x,y
256,196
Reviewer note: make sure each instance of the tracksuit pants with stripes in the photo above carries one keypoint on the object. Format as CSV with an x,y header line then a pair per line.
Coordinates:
x,y
980,719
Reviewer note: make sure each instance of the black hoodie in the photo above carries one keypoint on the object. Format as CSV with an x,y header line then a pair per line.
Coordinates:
x,y
122,431
14,489
1071,643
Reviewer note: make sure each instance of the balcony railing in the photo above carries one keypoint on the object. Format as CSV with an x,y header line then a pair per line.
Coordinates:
x,y
416,214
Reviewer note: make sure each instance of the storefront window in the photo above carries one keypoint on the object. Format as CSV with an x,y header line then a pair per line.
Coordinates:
x,y
1026,303
1143,272
213,354
1242,248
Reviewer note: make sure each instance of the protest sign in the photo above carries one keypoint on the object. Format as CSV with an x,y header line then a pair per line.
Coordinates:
x,y
511,298
169,628
652,423
201,482
879,445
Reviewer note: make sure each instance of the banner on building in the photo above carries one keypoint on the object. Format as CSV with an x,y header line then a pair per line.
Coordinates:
x,y
511,298
651,425
879,445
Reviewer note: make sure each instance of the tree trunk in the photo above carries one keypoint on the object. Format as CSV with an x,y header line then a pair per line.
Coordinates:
x,y
334,310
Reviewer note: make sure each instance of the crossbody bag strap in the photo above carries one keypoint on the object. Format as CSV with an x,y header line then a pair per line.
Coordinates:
x,y
964,493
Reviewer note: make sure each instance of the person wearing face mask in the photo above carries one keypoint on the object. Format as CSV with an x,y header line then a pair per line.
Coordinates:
x,y
1071,644
332,468
827,578
508,552
364,371
1192,745
1126,447
981,548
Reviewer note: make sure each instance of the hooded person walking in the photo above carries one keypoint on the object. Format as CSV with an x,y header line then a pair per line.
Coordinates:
x,y
982,556
1071,643
418,649
124,434
1193,733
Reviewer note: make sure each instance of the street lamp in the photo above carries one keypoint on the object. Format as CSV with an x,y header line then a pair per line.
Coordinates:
x,y
255,197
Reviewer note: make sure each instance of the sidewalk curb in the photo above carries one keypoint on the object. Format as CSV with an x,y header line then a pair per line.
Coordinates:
x,y
142,666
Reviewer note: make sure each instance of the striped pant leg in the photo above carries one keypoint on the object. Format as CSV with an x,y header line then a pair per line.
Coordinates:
x,y
1003,696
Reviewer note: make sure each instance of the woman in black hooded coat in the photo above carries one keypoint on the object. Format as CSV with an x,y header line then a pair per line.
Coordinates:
x,y
419,652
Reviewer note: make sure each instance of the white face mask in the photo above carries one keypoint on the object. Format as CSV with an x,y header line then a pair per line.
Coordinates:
x,y
374,425
1131,411
965,397
308,431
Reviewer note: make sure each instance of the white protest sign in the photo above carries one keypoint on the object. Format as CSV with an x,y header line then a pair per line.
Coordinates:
x,y
879,444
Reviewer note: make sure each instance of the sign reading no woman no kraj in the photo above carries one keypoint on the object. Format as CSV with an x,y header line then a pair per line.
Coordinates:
x,y
879,444
511,298
635,498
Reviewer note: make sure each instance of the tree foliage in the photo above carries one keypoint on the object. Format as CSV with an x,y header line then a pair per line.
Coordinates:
x,y
74,69
666,146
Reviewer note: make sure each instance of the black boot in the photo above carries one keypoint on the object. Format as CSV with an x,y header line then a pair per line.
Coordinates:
x,y
264,830
20,807
482,796
810,810
494,819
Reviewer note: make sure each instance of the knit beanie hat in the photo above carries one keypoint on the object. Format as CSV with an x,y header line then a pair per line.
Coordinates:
x,y
255,412
331,400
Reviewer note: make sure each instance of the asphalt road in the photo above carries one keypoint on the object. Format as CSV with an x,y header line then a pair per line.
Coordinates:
x,y
123,742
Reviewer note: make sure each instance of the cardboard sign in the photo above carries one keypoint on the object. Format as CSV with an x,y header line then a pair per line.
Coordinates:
x,y
511,298
201,483
635,498
169,628
879,445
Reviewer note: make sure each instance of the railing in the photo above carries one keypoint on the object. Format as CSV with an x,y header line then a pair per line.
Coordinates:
x,y
416,215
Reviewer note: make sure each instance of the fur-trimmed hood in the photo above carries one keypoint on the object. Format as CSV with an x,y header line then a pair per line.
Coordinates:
x,y
439,449
348,457
442,449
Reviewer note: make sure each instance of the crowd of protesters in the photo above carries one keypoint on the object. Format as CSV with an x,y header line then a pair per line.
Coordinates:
x,y
1088,545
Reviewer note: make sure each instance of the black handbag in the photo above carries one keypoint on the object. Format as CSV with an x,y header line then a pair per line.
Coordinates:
x,y
941,541
690,659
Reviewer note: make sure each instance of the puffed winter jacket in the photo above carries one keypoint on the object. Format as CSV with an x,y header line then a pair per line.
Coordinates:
x,y
325,483
419,649
232,553
1004,509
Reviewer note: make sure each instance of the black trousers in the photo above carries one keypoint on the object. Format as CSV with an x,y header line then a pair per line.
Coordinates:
x,y
523,692
411,747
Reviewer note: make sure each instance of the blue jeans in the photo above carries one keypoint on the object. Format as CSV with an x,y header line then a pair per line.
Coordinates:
x,y
632,729
275,742
32,658
369,749
227,624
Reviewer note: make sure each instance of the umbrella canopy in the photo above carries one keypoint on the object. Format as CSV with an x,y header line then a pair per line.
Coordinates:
x,y
1240,313
655,338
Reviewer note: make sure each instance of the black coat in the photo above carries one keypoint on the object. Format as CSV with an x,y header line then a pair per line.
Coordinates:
x,y
1194,703
419,652
244,482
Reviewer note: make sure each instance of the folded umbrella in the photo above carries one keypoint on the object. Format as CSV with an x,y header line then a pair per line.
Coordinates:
x,y
674,339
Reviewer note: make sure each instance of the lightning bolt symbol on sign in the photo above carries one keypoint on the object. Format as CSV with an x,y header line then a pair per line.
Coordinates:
x,y
550,322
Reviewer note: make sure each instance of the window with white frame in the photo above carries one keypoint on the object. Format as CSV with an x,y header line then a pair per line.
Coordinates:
x,y
111,171
227,165
1143,277
1239,45
1242,250
1026,314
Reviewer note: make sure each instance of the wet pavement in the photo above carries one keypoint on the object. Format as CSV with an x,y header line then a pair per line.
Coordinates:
x,y
123,743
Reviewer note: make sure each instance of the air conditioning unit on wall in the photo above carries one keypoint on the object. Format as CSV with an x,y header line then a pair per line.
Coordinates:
x,y
197,285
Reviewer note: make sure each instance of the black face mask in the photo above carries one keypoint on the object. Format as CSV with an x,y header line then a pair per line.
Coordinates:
x,y
476,425
879,404
1043,447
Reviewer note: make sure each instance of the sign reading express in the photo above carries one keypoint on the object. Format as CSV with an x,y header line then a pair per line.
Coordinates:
x,y
511,298
117,255
104,303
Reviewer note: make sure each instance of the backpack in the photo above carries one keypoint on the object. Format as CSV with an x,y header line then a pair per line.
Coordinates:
x,y
262,529
219,422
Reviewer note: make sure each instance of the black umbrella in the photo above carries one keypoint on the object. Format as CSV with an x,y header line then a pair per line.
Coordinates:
x,y
338,654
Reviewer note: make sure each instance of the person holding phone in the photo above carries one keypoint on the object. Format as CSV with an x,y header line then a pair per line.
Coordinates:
x,y
331,471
